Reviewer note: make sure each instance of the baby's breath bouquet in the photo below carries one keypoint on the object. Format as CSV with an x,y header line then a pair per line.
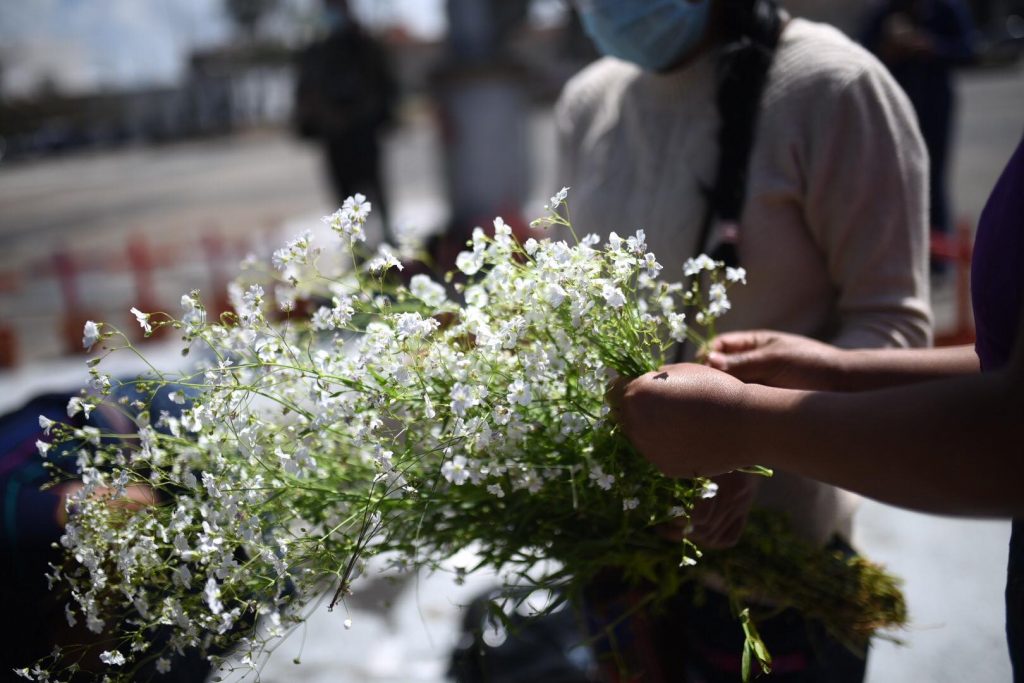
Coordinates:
x,y
348,414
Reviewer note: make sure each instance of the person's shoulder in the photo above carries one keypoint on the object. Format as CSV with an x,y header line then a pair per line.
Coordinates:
x,y
600,80
813,55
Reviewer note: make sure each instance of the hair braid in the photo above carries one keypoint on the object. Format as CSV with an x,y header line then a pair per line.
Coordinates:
x,y
750,33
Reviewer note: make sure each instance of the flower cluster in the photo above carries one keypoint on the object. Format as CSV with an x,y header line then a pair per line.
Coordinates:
x,y
404,420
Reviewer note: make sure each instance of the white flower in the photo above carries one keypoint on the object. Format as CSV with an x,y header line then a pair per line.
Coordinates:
x,y
195,315
143,319
652,265
426,290
469,262
250,307
163,665
76,405
502,415
693,266
598,476
519,392
181,546
285,298
476,296
348,221
613,296
43,447
455,470
677,326
94,623
90,334
177,397
555,295
531,245
463,397
210,483
502,232
334,318
496,490
211,595
46,424
357,208
413,325
288,463
630,504
558,198
718,300
112,658
384,261
736,275
299,251
573,423
182,576
637,243
347,624
710,490
530,481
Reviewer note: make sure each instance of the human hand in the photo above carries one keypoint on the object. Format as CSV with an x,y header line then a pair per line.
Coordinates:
x,y
717,522
135,497
777,359
684,418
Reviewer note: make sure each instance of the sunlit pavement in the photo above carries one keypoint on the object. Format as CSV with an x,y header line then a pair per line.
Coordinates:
x,y
262,186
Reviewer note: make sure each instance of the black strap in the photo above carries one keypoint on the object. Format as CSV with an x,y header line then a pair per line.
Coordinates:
x,y
724,200
742,67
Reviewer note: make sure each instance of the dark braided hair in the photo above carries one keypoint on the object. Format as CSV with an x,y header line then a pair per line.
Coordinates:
x,y
749,33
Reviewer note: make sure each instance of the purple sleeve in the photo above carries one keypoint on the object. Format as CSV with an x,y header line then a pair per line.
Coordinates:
x,y
997,271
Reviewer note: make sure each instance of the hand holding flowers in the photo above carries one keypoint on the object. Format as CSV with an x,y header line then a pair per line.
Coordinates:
x,y
686,419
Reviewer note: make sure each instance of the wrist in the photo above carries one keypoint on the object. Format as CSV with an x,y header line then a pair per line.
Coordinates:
x,y
841,374
770,419
753,438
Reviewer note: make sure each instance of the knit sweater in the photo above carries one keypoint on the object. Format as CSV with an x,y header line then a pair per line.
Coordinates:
x,y
834,227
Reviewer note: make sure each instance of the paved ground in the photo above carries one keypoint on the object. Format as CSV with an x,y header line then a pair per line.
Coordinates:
x,y
255,189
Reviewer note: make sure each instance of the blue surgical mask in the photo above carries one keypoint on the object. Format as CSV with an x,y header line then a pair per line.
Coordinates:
x,y
653,34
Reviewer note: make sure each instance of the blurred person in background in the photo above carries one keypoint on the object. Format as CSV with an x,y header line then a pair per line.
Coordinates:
x,y
922,42
346,96
780,146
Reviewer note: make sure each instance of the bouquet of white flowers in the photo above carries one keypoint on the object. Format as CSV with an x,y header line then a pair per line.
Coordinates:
x,y
404,420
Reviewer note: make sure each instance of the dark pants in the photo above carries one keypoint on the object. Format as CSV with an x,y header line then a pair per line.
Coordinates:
x,y
353,166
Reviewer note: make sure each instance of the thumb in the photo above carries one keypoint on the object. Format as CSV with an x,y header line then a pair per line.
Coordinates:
x,y
737,342
613,395
748,366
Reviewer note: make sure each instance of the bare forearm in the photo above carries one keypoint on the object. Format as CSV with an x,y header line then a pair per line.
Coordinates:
x,y
867,369
954,446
